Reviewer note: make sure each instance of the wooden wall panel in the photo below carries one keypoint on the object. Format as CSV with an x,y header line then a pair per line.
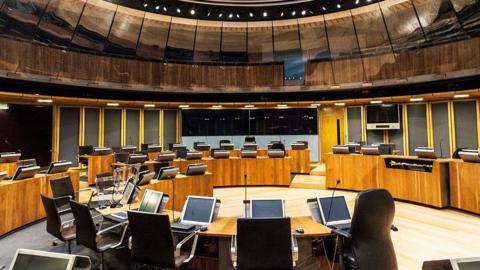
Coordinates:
x,y
319,73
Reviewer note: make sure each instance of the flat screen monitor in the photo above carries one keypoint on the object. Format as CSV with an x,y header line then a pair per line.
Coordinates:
x,y
25,172
41,260
166,156
334,210
8,157
227,146
193,155
151,201
182,154
276,153
101,151
145,177
129,148
250,146
220,153
198,210
151,147
245,153
129,193
137,158
196,169
267,208
27,162
178,147
470,155
385,116
167,172
85,150
466,264
59,166
425,152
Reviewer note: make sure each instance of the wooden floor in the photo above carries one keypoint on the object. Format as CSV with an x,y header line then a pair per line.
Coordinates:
x,y
424,233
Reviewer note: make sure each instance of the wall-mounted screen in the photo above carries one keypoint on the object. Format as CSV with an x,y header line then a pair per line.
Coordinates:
x,y
385,116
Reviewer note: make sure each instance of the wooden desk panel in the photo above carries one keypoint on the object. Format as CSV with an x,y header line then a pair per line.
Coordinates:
x,y
300,160
98,164
152,155
9,167
356,172
74,177
465,186
21,203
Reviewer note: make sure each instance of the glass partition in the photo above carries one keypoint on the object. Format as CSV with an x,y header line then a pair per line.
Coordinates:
x,y
234,42
468,13
20,18
313,37
181,39
153,37
126,26
260,43
92,30
207,41
59,21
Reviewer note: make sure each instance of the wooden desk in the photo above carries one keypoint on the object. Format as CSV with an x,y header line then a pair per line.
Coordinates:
x,y
300,160
98,164
73,174
223,228
20,203
9,167
465,185
231,171
359,172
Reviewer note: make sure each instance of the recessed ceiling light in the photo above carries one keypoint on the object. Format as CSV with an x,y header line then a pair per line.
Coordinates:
x,y
45,100
281,14
184,106
340,104
238,16
315,105
157,7
230,15
293,13
282,106
145,5
220,15
192,12
304,12
324,8
178,10
112,104
217,106
265,14
339,5
251,14
461,96
416,99
357,2
249,106
149,105
164,8
376,102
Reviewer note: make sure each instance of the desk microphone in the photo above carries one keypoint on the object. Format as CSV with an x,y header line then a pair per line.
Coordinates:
x,y
331,201
394,228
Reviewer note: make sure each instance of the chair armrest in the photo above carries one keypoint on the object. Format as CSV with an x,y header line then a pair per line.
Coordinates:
x,y
112,227
181,243
294,249
194,247
233,251
130,243
343,233
63,197
68,223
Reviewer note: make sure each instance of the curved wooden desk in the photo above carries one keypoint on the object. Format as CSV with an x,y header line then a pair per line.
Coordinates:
x,y
465,185
9,167
20,200
98,164
232,171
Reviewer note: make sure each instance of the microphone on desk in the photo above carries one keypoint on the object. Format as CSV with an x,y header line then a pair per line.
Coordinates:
x,y
394,228
331,200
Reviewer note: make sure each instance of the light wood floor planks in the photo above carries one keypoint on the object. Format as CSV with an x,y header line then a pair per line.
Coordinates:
x,y
424,233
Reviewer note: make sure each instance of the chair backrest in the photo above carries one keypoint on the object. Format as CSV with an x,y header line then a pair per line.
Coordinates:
x,y
264,244
278,146
62,187
222,142
103,182
86,230
54,223
152,240
250,139
372,219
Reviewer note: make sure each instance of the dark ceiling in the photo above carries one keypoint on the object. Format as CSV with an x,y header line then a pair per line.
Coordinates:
x,y
243,10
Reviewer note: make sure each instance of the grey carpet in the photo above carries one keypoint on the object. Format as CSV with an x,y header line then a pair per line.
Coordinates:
x,y
36,237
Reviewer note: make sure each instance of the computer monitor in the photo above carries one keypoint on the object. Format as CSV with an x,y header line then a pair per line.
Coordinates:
x,y
425,152
101,151
196,169
167,173
334,210
59,166
129,193
181,154
198,210
3,175
249,139
220,153
299,146
468,155
8,157
246,153
27,162
25,172
227,146
193,155
137,158
41,260
267,208
153,201
145,177
128,148
178,147
166,156
85,150
151,147
201,146
466,264
273,153
250,146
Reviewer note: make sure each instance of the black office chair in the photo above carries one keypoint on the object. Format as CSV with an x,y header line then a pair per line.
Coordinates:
x,y
264,244
277,146
250,139
63,192
59,226
368,244
152,242
222,142
96,239
122,157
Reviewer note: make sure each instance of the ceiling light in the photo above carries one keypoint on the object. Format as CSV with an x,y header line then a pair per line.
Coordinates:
x,y
149,105
282,106
324,8
376,102
293,13
251,14
145,5
238,16
178,10
265,14
157,7
164,8
281,14
416,99
220,15
461,96
249,106
230,15
112,104
304,12
357,2
216,106
192,12
315,105
340,104
339,5
208,14
45,100
184,106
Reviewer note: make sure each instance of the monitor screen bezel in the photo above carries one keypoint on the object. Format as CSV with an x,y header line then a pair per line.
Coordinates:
x,y
197,222
69,257
455,262
157,206
343,221
266,199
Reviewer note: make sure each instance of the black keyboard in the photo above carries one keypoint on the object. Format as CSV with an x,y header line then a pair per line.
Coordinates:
x,y
345,226
182,226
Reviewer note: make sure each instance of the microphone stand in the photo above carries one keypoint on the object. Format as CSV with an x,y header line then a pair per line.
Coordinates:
x,y
331,202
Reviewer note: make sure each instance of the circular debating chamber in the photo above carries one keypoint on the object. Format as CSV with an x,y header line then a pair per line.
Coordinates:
x,y
240,134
